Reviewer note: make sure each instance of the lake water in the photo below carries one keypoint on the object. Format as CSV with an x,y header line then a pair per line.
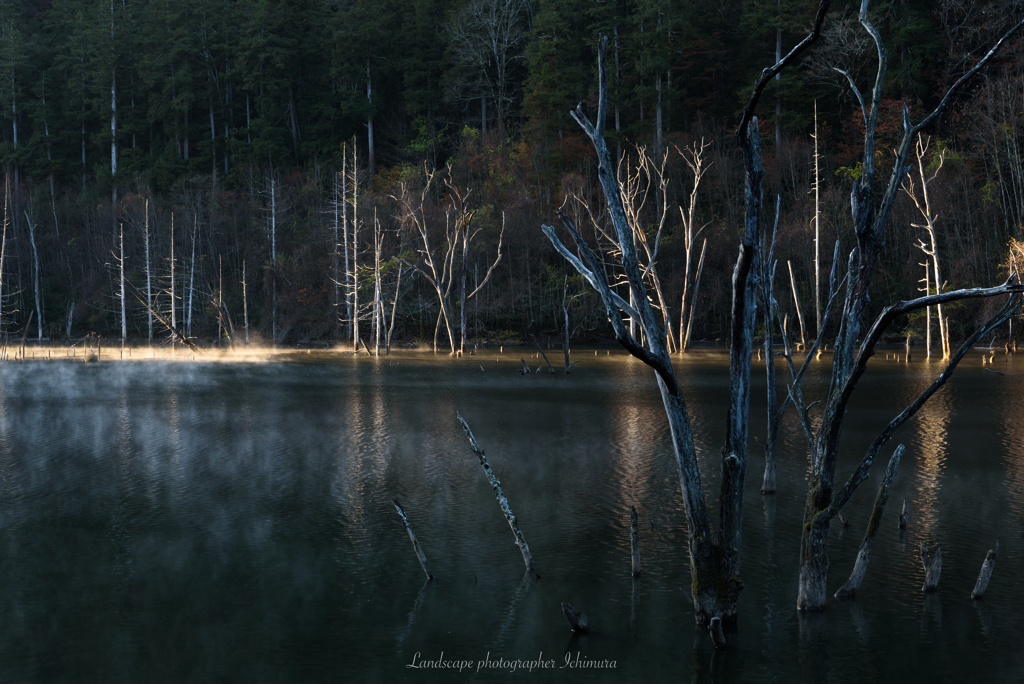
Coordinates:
x,y
231,521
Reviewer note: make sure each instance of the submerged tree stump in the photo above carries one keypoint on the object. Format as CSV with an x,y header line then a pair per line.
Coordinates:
x,y
932,569
577,620
412,537
986,572
904,515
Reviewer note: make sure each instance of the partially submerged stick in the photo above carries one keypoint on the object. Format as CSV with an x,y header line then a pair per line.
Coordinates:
x,y
931,569
634,541
550,367
525,370
904,515
412,537
577,620
860,566
502,501
986,572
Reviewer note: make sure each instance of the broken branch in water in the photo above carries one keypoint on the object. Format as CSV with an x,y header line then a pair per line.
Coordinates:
x,y
860,566
412,537
550,367
502,501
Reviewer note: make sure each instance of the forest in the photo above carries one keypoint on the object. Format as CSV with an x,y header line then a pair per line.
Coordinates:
x,y
322,172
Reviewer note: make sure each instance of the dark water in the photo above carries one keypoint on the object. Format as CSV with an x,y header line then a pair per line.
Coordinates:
x,y
225,522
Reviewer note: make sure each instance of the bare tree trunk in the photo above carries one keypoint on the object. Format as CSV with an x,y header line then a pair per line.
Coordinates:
x,y
344,229
245,303
191,280
796,303
174,306
3,249
355,248
377,319
693,299
412,537
861,564
817,234
35,276
767,264
394,307
273,259
149,279
120,263
927,314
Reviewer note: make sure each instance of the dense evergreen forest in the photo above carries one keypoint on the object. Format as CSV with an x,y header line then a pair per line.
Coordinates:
x,y
294,169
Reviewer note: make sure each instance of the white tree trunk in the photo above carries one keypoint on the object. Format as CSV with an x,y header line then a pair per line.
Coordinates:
x,y
149,282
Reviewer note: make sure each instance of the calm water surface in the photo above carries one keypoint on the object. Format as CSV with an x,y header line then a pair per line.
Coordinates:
x,y
232,522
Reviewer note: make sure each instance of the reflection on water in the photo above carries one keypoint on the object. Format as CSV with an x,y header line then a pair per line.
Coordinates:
x,y
232,521
930,425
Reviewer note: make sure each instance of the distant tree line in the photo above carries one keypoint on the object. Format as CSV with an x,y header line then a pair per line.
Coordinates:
x,y
292,142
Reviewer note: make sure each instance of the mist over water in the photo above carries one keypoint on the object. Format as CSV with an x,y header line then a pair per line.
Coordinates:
x,y
196,521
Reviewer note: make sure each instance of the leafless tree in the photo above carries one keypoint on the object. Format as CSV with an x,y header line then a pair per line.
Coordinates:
x,y
486,40
918,193
439,265
714,563
871,211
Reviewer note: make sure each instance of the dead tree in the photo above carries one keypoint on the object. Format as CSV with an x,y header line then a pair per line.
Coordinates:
x,y
438,264
849,361
694,158
931,250
35,277
714,559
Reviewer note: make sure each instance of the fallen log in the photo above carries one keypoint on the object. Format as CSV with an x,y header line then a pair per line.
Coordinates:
x,y
412,537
